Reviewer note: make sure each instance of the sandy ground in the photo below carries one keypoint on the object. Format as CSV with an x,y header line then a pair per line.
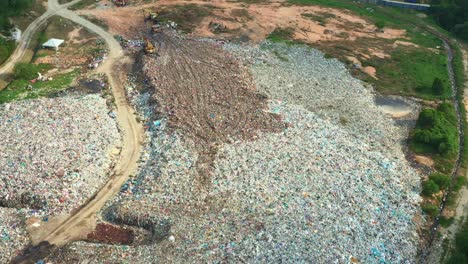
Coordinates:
x,y
81,220
424,160
310,24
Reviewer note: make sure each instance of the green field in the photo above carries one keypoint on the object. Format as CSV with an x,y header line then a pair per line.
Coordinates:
x,y
18,89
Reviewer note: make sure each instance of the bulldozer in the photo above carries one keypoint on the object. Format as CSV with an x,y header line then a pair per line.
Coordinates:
x,y
149,47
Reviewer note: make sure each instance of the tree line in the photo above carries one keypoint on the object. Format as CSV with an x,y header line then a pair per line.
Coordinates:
x,y
9,8
452,15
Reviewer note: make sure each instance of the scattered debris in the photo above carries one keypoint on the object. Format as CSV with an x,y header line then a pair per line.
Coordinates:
x,y
53,156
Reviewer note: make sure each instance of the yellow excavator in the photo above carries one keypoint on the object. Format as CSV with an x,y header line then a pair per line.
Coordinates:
x,y
149,47
152,16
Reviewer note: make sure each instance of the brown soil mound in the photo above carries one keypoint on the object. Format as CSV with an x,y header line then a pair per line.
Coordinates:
x,y
207,94
105,233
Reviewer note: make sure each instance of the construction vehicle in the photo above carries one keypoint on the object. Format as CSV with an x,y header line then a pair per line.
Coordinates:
x,y
152,16
120,2
149,47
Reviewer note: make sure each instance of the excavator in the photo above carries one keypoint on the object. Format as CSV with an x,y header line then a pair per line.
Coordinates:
x,y
152,16
149,47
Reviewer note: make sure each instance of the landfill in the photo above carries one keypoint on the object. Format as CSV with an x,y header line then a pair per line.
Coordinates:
x,y
55,152
13,235
332,186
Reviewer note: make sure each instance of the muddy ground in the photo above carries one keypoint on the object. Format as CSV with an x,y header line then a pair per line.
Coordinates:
x,y
331,30
207,95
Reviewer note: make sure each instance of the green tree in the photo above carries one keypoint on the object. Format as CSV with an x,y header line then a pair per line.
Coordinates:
x,y
459,254
380,24
442,180
25,71
430,209
451,15
438,87
429,188
437,130
10,8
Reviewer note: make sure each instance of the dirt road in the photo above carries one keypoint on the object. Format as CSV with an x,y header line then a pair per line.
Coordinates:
x,y
52,9
64,229
83,219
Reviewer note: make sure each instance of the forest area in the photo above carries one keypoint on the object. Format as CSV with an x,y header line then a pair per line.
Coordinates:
x,y
8,9
452,15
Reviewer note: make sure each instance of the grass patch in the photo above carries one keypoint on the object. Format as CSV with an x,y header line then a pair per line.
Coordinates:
x,y
320,17
6,49
372,12
414,70
446,222
281,34
186,16
18,89
284,35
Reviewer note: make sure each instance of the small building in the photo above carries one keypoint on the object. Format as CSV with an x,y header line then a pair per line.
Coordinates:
x,y
53,43
16,34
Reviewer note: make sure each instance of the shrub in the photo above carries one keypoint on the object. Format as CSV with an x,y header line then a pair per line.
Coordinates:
x,y
429,188
459,253
449,112
437,130
26,71
446,222
430,209
442,180
281,34
438,87
380,24
459,182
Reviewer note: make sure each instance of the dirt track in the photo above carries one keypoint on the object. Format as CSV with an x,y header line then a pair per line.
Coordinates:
x,y
52,9
62,230
83,219
207,95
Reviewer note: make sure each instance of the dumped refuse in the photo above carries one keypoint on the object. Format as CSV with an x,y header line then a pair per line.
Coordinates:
x,y
54,152
317,190
206,94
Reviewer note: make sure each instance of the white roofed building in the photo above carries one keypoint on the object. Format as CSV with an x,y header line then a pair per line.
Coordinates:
x,y
53,43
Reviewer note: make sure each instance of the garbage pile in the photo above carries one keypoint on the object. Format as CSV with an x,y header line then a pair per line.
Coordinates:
x,y
206,94
320,191
13,235
303,76
54,152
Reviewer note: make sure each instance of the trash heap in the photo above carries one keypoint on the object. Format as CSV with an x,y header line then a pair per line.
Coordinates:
x,y
13,235
323,190
303,76
55,152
